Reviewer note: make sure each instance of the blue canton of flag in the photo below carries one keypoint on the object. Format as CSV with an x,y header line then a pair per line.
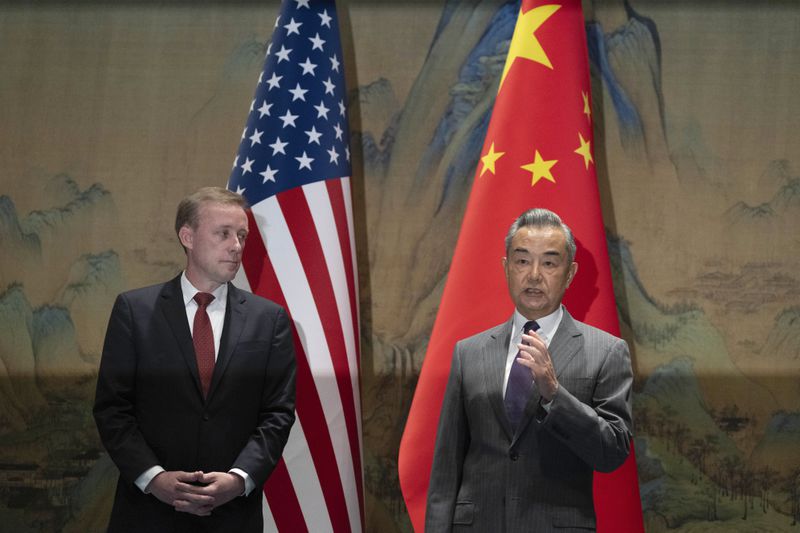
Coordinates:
x,y
297,128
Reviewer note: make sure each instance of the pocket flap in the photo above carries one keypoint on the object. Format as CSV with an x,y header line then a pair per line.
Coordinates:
x,y
464,513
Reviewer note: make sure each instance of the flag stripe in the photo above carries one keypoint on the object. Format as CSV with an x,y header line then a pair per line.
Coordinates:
x,y
348,206
310,247
283,499
301,467
286,259
327,212
300,223
347,202
337,190
325,216
262,276
336,194
266,512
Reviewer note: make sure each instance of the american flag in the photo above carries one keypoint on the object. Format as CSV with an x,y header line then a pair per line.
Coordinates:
x,y
293,167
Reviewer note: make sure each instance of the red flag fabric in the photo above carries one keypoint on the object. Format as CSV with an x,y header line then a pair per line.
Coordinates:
x,y
537,153
293,167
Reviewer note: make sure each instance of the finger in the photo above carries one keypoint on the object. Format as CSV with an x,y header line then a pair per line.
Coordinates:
x,y
206,477
197,498
530,362
533,339
540,348
186,477
186,488
525,352
189,506
531,352
526,362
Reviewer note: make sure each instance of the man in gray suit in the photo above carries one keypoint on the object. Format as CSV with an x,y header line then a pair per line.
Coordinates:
x,y
532,406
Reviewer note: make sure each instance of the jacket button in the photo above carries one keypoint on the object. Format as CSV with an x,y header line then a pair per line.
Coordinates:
x,y
205,417
513,456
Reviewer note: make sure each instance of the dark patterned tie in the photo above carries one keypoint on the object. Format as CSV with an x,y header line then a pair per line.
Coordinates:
x,y
203,339
518,389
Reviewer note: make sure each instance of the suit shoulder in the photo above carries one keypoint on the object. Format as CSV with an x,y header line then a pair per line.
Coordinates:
x,y
149,292
256,302
483,336
596,335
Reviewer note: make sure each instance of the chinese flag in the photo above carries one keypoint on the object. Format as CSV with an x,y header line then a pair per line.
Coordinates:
x,y
537,153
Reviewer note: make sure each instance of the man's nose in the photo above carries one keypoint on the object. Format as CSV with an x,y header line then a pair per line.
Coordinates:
x,y
534,273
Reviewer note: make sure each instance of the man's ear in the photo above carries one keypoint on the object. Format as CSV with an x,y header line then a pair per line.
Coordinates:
x,y
573,269
186,236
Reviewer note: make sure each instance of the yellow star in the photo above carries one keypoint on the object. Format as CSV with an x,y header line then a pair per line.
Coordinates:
x,y
540,168
524,43
587,109
585,150
489,159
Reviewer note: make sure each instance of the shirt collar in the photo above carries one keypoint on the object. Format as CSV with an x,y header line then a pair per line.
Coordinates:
x,y
189,290
547,324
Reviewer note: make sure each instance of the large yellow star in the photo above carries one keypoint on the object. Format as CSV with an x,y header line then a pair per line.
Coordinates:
x,y
587,109
540,168
585,150
524,43
489,159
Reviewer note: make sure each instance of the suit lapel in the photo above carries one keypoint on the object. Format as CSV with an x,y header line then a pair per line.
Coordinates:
x,y
494,367
235,318
174,310
566,343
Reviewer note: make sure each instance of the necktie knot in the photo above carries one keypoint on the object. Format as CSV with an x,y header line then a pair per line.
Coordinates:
x,y
203,299
530,325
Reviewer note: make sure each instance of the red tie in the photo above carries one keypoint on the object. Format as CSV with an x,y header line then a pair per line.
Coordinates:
x,y
203,339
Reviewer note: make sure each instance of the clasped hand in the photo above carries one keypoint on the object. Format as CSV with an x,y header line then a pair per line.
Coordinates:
x,y
197,493
533,353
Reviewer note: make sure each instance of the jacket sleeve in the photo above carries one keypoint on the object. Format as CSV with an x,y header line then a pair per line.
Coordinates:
x,y
452,441
115,397
598,433
263,450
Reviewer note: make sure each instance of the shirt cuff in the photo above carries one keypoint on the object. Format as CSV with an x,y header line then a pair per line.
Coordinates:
x,y
547,405
146,477
249,484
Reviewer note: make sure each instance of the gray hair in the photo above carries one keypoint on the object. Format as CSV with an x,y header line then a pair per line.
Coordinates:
x,y
541,218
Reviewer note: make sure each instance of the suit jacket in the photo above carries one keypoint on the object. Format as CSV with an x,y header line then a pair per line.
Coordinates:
x,y
487,477
149,406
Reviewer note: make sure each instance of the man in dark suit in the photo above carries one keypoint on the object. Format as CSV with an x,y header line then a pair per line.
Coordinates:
x,y
532,406
196,388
